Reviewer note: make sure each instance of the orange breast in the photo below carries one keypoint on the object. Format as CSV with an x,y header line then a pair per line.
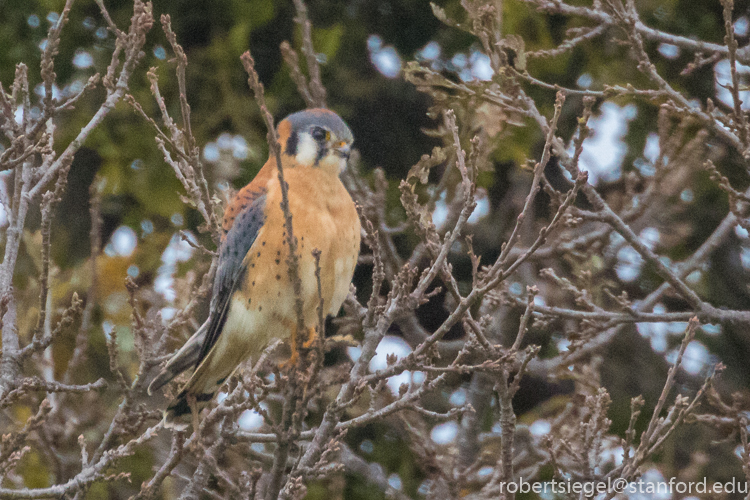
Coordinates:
x,y
323,218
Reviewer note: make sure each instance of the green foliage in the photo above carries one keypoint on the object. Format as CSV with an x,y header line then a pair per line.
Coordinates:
x,y
388,118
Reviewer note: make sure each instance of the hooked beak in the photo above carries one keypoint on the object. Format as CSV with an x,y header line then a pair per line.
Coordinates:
x,y
343,150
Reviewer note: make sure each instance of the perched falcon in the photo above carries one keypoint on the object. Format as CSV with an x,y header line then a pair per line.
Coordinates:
x,y
253,299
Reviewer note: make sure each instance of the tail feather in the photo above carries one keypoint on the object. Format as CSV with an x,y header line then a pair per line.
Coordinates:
x,y
202,386
183,359
180,407
222,360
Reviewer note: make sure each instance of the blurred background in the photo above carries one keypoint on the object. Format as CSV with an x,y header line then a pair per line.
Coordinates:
x,y
363,47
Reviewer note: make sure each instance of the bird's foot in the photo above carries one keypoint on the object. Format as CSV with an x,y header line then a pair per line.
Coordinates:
x,y
308,343
312,336
344,340
292,361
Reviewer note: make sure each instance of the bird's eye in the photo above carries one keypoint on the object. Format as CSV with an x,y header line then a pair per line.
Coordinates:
x,y
320,134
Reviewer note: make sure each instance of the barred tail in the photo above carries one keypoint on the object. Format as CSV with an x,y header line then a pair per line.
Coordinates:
x,y
177,414
202,386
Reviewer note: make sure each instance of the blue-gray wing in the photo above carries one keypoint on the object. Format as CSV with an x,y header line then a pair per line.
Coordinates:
x,y
231,270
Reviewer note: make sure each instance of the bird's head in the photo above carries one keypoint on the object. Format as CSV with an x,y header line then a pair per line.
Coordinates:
x,y
316,138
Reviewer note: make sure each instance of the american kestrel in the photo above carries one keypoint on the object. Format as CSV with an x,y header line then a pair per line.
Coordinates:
x,y
253,301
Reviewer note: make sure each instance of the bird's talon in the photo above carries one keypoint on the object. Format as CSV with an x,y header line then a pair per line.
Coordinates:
x,y
291,362
312,335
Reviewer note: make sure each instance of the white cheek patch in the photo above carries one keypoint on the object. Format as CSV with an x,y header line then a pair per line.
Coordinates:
x,y
334,161
307,150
